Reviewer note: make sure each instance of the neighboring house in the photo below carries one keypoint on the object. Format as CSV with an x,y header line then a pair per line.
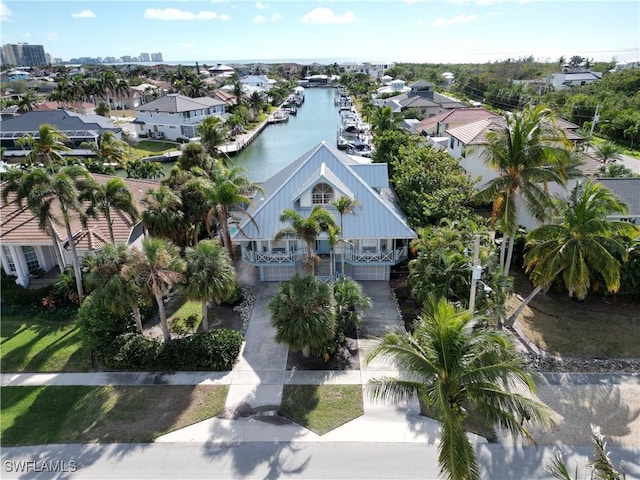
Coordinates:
x,y
627,190
572,78
17,75
145,92
377,234
258,81
25,247
78,128
77,107
176,116
436,126
221,71
626,65
393,87
421,97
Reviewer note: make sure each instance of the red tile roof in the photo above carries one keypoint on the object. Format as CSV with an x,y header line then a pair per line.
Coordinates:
x,y
458,116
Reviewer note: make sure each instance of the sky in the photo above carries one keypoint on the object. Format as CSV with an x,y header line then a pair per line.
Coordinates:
x,y
418,31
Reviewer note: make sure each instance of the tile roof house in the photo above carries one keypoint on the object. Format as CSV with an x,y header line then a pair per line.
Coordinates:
x,y
437,125
79,128
377,233
25,247
176,116
422,98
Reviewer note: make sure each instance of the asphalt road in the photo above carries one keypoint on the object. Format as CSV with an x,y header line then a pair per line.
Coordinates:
x,y
266,460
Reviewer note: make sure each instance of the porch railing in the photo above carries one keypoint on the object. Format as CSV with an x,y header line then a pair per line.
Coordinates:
x,y
376,256
272,257
351,256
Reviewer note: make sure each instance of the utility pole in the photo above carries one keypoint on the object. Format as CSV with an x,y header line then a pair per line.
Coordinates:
x,y
476,272
596,118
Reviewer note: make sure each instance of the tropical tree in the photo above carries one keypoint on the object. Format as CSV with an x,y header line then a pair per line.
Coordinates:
x,y
583,245
109,288
155,269
110,149
53,198
255,103
528,154
104,198
351,303
28,101
209,275
320,220
457,370
607,152
163,216
384,120
47,148
303,314
212,135
140,169
344,206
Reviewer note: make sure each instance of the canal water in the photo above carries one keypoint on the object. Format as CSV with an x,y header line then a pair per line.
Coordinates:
x,y
280,144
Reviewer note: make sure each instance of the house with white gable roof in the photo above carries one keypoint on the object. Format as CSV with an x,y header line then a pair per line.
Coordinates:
x,y
376,235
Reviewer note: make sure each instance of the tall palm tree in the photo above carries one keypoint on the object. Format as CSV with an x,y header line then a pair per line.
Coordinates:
x,y
53,198
107,82
209,275
110,150
213,134
103,199
383,120
28,101
456,368
528,153
584,243
607,152
110,289
155,269
255,103
344,206
47,148
308,229
163,216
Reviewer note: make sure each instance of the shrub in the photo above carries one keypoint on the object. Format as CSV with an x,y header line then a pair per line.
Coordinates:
x,y
14,294
133,352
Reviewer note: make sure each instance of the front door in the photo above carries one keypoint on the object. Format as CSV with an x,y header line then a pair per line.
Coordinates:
x,y
322,247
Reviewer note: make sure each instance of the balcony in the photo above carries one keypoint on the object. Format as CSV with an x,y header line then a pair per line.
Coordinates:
x,y
355,257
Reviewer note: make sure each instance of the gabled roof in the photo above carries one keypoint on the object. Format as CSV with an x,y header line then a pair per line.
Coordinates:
x,y
62,120
378,216
177,103
325,175
458,116
417,101
475,133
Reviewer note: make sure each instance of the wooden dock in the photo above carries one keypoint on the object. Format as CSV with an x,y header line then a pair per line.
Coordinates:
x,y
242,140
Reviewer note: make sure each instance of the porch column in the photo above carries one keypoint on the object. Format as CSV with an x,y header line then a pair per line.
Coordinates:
x,y
22,271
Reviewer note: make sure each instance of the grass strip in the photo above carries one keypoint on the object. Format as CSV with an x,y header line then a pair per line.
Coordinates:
x,y
321,408
83,414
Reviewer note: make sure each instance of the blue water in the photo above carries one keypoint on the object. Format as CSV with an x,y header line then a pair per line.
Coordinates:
x,y
280,144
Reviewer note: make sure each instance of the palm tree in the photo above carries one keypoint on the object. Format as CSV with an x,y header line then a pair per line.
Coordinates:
x,y
607,152
103,199
320,220
351,303
383,120
163,216
110,289
210,275
47,147
586,242
28,101
303,314
255,103
196,195
344,205
155,269
212,135
107,82
140,169
43,191
455,368
110,150
529,152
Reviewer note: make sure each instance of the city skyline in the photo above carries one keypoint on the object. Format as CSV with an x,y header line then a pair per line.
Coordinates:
x,y
421,31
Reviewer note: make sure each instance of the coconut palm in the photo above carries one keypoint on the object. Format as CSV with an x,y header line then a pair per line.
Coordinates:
x,y
455,368
47,147
103,199
110,150
255,103
209,275
303,314
528,153
28,101
163,216
196,196
155,269
583,244
308,229
53,199
383,120
607,152
140,169
213,134
344,206
110,289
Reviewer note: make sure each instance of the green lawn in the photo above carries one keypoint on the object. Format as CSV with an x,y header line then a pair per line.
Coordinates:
x,y
178,320
321,408
150,148
36,345
62,414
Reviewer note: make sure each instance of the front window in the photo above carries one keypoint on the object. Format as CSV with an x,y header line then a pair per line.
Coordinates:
x,y
7,255
322,194
31,258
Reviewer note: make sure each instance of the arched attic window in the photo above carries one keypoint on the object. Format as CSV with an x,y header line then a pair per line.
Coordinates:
x,y
322,194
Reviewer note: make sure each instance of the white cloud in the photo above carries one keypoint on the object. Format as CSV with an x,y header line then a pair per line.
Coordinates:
x,y
261,6
445,22
5,13
262,19
176,14
53,36
84,14
259,19
322,15
276,17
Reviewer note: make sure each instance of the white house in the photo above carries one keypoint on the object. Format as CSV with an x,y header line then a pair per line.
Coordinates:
x,y
258,81
176,116
376,235
572,78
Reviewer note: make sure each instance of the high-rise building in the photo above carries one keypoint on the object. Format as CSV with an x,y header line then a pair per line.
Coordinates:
x,y
156,57
23,55
144,57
